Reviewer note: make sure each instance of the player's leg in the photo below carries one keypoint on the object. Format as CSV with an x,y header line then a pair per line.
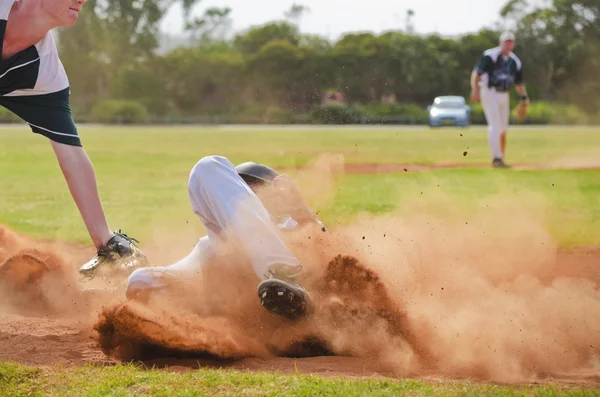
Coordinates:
x,y
145,281
505,120
491,107
229,208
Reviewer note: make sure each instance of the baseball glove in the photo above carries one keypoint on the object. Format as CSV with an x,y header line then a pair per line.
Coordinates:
x,y
522,110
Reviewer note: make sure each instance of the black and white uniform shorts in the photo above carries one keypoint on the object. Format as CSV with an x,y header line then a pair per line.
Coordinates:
x,y
47,114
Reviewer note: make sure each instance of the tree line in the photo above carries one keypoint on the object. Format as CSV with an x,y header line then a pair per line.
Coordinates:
x,y
114,68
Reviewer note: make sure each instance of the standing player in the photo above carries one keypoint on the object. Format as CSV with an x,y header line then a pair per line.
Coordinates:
x,y
34,86
249,203
498,70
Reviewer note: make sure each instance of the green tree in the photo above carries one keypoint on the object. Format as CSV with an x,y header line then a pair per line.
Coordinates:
x,y
110,54
145,82
358,68
558,46
201,81
255,38
109,36
215,24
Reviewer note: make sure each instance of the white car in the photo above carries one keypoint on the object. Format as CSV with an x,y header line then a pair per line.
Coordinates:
x,y
449,111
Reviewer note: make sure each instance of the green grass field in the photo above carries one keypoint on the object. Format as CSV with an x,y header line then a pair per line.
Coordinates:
x,y
129,380
142,175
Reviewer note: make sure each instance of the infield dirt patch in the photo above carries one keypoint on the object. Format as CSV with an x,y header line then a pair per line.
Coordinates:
x,y
521,324
373,168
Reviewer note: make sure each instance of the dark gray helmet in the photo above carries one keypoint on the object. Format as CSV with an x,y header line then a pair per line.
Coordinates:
x,y
254,173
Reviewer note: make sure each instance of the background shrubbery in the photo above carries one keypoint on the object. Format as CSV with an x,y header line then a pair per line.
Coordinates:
x,y
274,73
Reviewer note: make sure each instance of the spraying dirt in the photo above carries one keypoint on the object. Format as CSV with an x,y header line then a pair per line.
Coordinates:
x,y
430,298
351,315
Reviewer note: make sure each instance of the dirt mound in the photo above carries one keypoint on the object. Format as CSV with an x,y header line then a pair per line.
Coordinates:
x,y
133,331
358,317
21,278
36,276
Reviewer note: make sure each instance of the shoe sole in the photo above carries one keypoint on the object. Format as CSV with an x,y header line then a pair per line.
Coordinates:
x,y
283,299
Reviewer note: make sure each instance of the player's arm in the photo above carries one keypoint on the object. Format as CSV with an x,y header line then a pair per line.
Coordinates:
x,y
522,91
481,67
292,202
475,78
520,85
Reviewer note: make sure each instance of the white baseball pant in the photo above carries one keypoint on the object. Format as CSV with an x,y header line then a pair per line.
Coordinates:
x,y
225,204
496,106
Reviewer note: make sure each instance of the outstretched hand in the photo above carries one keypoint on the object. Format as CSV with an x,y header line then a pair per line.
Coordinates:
x,y
290,200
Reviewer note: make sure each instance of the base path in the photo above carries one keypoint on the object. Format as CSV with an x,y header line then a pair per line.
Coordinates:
x,y
390,168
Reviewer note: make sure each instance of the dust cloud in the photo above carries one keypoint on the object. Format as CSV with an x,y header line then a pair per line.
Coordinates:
x,y
424,290
39,278
481,295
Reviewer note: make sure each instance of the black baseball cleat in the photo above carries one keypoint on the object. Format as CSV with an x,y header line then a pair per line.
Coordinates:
x,y
282,295
499,163
120,256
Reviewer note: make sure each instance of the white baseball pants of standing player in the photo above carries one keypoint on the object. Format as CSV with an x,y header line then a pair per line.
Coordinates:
x,y
496,106
227,206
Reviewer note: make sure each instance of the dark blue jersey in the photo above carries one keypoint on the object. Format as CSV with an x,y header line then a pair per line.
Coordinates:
x,y
498,71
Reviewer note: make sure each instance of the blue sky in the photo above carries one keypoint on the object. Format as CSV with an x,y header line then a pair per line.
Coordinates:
x,y
332,18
